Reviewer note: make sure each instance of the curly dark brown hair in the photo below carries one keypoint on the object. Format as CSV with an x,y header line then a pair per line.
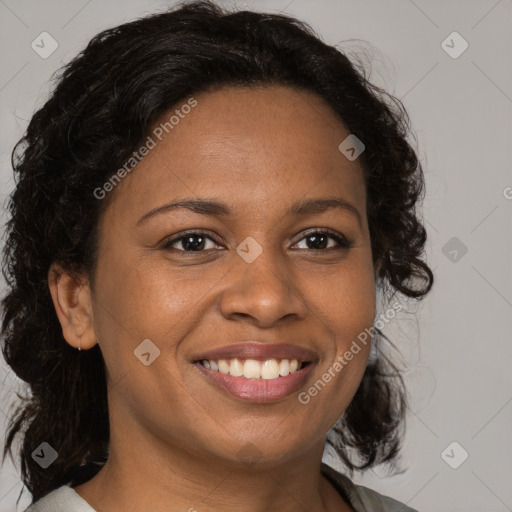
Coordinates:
x,y
102,107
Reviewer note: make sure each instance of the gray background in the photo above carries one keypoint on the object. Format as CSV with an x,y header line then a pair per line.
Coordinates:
x,y
457,343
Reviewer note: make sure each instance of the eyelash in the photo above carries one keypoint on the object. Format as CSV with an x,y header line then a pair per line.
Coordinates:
x,y
343,243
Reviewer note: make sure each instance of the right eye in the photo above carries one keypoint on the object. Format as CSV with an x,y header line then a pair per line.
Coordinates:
x,y
194,241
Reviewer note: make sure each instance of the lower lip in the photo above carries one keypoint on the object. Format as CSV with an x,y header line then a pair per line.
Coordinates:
x,y
257,390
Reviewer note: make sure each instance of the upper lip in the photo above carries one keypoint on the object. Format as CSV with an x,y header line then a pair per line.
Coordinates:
x,y
259,351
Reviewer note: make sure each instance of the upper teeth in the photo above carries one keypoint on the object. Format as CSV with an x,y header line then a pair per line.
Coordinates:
x,y
252,369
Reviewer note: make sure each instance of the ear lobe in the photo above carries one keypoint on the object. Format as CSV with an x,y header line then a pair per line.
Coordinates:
x,y
73,305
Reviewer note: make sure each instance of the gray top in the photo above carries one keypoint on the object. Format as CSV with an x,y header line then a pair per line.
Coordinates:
x,y
362,499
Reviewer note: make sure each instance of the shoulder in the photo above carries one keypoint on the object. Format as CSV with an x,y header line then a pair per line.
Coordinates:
x,y
361,498
63,499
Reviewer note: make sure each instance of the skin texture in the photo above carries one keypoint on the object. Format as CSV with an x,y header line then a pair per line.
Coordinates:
x,y
177,441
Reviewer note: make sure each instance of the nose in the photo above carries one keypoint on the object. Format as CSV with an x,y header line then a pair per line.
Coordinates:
x,y
263,292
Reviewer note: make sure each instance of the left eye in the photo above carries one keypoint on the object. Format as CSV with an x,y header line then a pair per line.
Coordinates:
x,y
319,238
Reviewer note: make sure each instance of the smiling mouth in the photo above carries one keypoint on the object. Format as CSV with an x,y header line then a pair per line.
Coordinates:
x,y
258,381
252,369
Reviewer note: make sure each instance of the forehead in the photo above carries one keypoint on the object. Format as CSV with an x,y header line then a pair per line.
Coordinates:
x,y
246,145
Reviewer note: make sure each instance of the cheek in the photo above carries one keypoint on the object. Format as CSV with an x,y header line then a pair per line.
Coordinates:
x,y
145,299
344,299
345,305
139,303
355,319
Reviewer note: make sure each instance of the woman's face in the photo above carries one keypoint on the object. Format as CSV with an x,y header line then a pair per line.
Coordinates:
x,y
257,274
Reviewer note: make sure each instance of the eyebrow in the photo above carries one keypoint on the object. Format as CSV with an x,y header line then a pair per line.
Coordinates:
x,y
217,208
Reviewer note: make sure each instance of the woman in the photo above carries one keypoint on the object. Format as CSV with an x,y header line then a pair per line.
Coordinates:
x,y
205,211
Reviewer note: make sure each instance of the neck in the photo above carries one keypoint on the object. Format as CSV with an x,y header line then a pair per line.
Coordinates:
x,y
149,470
139,478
